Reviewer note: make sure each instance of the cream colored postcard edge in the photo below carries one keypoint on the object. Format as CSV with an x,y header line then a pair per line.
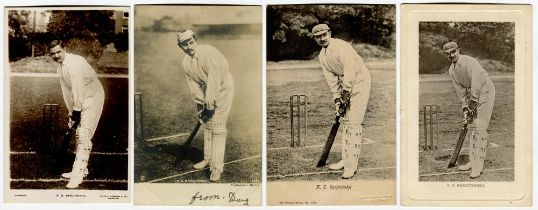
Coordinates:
x,y
415,193
338,192
184,194
51,195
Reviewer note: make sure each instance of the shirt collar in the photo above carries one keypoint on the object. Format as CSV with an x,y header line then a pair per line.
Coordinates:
x,y
458,62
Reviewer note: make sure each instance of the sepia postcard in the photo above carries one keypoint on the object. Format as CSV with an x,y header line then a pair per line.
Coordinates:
x,y
331,105
198,105
66,107
466,105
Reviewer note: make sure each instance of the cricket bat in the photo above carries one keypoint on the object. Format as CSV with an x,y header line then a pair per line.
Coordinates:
x,y
329,143
192,135
64,146
457,149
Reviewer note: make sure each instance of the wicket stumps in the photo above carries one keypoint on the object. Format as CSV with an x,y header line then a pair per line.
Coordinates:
x,y
49,121
431,126
138,107
298,127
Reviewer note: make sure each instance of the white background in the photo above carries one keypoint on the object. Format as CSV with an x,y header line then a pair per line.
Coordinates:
x,y
264,3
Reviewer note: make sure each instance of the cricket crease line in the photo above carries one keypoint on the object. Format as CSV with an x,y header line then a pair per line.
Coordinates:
x,y
366,141
59,180
56,75
462,172
167,137
493,145
193,171
326,172
92,153
445,79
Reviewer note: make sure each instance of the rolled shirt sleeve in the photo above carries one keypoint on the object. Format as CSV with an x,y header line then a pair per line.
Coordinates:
x,y
331,78
68,97
478,76
348,57
216,64
197,91
461,91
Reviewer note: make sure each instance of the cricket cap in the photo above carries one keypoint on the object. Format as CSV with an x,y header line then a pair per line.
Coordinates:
x,y
449,46
320,29
185,35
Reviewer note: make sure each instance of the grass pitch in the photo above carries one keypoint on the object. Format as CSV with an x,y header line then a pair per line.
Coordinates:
x,y
377,160
168,110
499,162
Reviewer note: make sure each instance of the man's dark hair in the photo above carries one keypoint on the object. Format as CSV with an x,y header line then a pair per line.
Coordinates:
x,y
55,43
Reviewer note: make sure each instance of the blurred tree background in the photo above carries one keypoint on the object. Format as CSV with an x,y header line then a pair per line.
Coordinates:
x,y
365,26
84,32
492,43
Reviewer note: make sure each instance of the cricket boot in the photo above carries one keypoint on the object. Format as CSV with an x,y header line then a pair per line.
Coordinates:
x,y
480,152
68,174
84,147
472,145
337,166
218,146
215,175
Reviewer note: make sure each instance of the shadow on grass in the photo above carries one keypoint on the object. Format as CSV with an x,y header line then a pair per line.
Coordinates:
x,y
155,158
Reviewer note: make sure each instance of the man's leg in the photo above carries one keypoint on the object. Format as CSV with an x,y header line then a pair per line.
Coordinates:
x,y
479,148
208,136
80,166
218,147
481,123
353,135
92,109
353,124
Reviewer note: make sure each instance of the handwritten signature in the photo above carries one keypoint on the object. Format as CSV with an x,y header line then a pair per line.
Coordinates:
x,y
231,198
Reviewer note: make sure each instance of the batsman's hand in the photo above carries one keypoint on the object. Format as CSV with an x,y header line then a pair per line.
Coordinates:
x,y
205,114
75,116
340,107
466,115
346,96
473,105
337,104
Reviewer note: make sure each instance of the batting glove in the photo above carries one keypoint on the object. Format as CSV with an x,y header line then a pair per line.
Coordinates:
x,y
206,114
75,116
346,96
337,104
473,105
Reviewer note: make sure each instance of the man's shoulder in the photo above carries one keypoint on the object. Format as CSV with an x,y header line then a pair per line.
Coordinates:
x,y
340,42
206,47
71,58
208,52
467,58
